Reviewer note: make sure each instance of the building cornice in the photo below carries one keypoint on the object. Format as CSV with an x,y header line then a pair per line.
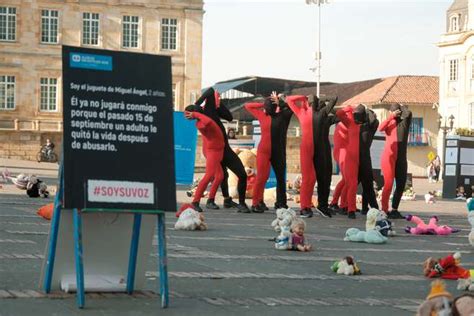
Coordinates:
x,y
459,41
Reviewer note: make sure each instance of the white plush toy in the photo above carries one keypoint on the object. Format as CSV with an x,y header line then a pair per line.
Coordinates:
x,y
282,224
466,284
346,266
190,219
470,218
373,215
284,218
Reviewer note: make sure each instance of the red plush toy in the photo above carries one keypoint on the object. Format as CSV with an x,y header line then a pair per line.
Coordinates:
x,y
445,268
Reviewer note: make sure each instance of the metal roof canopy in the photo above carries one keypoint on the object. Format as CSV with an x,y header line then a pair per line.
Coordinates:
x,y
262,86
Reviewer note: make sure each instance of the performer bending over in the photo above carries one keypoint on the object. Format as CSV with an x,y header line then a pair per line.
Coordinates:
x,y
213,150
216,111
394,156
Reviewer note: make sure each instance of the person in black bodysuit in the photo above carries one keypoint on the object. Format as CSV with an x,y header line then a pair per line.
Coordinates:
x,y
216,111
323,118
366,177
280,114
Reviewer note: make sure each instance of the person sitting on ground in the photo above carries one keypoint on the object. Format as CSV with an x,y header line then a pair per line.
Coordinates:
x,y
48,147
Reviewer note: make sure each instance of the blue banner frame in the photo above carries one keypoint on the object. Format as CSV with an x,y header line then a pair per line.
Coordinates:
x,y
185,142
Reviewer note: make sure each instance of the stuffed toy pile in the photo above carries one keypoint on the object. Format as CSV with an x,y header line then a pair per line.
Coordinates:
x,y
470,218
445,268
431,228
372,235
346,266
438,301
189,219
282,225
378,220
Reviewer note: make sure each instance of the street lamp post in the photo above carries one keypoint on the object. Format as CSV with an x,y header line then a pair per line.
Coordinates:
x,y
318,48
447,126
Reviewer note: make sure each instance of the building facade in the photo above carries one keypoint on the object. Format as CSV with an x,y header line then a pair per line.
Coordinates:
x,y
31,35
456,72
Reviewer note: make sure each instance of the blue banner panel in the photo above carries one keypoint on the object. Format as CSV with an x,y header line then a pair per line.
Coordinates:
x,y
185,139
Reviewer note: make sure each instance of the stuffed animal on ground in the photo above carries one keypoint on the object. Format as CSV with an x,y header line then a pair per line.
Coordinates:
x,y
189,219
467,284
409,194
445,268
438,302
282,224
373,215
430,198
463,305
284,219
298,242
20,181
46,211
431,229
249,160
377,220
346,266
470,218
372,236
36,188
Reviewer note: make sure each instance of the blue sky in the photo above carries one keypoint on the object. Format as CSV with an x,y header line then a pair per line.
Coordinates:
x,y
360,39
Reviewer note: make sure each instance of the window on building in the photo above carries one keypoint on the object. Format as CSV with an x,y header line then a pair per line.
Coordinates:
x,y
169,34
453,70
49,26
7,92
417,136
7,24
90,28
130,31
454,23
49,99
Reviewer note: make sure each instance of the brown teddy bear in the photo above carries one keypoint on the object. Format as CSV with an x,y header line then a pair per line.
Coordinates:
x,y
249,160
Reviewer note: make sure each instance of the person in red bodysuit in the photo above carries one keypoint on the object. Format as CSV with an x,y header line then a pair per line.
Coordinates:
x,y
213,150
300,106
394,157
351,118
264,154
339,153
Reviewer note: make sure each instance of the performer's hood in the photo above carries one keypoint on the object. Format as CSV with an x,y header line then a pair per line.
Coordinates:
x,y
270,108
360,116
395,107
315,103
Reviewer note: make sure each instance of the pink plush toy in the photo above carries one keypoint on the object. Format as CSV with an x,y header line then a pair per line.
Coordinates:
x,y
431,229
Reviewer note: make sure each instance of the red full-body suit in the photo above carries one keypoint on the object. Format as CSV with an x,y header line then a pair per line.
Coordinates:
x,y
304,113
213,150
351,161
264,150
340,153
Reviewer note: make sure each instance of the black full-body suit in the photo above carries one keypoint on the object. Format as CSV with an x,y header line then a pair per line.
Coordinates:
x,y
279,128
323,118
366,177
230,159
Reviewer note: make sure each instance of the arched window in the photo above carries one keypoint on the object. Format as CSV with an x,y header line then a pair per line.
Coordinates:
x,y
454,23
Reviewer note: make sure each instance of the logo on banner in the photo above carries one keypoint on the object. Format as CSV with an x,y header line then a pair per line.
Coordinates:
x,y
120,192
90,61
